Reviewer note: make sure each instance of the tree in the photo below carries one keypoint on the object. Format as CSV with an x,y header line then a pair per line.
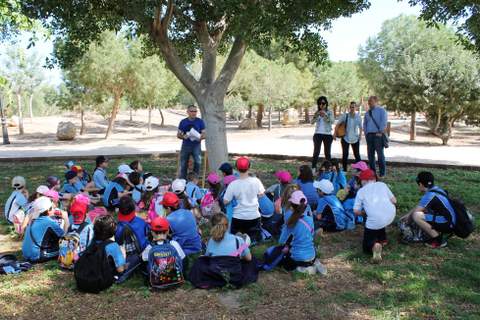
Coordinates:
x,y
12,20
107,69
181,29
465,13
3,89
404,65
341,83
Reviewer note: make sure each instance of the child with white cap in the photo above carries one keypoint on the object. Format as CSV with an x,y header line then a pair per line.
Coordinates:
x,y
18,198
43,232
179,187
330,214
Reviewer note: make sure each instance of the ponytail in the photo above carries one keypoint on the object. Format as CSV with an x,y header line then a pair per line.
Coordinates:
x,y
219,227
298,210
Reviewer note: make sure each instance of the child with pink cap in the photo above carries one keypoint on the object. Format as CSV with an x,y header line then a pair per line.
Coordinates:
x,y
210,202
275,191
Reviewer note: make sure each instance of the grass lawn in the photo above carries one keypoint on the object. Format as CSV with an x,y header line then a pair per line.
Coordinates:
x,y
412,282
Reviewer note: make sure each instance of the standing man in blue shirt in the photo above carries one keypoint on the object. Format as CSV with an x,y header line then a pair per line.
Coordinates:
x,y
374,126
191,130
353,133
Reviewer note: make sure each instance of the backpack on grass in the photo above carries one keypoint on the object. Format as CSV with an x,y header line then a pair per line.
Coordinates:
x,y
129,239
165,267
69,247
93,271
464,224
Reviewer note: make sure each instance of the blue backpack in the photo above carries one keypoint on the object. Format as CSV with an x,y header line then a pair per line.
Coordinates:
x,y
165,267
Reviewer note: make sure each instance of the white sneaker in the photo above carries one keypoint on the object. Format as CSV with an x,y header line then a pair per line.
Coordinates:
x,y
308,270
377,253
320,268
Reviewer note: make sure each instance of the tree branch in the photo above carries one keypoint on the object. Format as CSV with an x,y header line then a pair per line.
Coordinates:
x,y
209,50
232,64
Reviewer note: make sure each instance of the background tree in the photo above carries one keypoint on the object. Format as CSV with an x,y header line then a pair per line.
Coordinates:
x,y
181,29
12,20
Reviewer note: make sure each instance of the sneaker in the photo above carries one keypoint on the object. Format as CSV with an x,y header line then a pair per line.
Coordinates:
x,y
436,243
308,270
377,252
320,268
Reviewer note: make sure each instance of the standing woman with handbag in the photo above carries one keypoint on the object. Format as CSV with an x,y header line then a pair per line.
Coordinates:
x,y
323,119
375,126
350,134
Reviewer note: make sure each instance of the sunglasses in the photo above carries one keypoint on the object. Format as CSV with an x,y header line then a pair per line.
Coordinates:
x,y
322,103
192,111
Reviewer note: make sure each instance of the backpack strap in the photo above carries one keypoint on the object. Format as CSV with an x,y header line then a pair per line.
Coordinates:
x,y
373,119
306,225
239,249
33,238
11,205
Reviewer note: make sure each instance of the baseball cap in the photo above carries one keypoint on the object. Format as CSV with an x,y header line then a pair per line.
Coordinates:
x,y
159,224
229,179
284,176
226,168
78,210
52,181
170,199
52,194
243,163
297,197
360,165
18,182
42,189
178,185
70,174
41,205
124,168
324,185
151,183
367,175
213,178
69,164
76,168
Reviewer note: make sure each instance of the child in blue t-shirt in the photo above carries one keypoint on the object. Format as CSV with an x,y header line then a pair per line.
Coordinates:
x,y
43,233
100,178
138,189
17,200
82,225
305,182
223,243
104,229
183,225
192,189
330,171
330,214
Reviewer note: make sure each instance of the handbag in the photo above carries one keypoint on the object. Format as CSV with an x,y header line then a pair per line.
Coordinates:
x,y
385,138
341,128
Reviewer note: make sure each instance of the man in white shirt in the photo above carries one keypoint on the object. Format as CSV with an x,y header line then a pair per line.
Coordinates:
x,y
378,203
245,191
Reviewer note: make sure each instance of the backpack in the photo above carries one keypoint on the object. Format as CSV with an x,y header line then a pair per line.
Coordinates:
x,y
410,232
129,240
274,255
10,265
156,208
165,267
209,205
464,224
69,247
18,218
93,271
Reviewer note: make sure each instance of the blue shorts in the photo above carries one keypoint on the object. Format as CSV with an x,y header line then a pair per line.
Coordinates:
x,y
439,222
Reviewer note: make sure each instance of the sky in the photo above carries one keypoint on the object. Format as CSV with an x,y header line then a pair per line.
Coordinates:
x,y
343,39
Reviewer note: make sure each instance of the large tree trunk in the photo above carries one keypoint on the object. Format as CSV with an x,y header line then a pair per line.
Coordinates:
x,y
250,108
30,106
131,114
413,127
161,116
260,109
149,120
20,114
213,113
269,118
6,140
111,121
82,122
307,115
279,116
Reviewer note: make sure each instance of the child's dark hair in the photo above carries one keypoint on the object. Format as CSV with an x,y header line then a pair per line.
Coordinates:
x,y
104,227
33,196
126,205
327,165
215,189
426,179
219,227
121,181
192,175
186,201
306,174
134,178
298,210
134,165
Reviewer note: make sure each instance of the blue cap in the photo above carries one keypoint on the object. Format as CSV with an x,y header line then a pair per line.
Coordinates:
x,y
226,168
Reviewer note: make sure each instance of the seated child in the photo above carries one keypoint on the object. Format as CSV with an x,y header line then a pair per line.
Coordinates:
x,y
305,182
354,184
17,199
210,204
138,189
330,171
159,229
72,185
43,233
151,200
179,187
100,173
115,189
330,214
245,191
378,203
136,166
183,224
297,235
80,225
192,189
275,191
53,183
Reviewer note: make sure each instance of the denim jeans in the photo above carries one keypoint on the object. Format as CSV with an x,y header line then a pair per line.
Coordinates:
x,y
375,145
195,151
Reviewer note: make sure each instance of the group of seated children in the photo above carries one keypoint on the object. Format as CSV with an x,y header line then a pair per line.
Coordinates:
x,y
156,227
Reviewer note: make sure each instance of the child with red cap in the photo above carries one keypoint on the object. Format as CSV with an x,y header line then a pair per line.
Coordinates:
x,y
377,202
159,229
183,224
80,224
245,190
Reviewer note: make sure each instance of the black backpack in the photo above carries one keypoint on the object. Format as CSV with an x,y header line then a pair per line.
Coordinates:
x,y
464,224
93,271
129,240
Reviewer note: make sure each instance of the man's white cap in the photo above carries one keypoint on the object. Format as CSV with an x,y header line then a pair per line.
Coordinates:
x,y
124,168
324,185
41,205
151,183
42,189
178,185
